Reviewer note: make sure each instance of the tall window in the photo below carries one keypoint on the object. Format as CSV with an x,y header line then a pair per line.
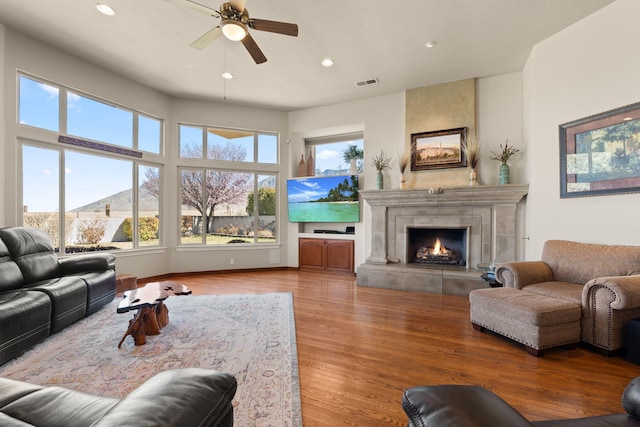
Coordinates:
x,y
93,195
337,154
228,186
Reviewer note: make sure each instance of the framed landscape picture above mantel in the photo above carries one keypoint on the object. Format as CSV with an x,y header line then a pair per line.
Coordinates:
x,y
600,154
438,149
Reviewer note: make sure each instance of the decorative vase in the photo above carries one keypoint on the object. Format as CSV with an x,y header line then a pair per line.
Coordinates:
x,y
379,180
473,177
504,173
302,168
311,165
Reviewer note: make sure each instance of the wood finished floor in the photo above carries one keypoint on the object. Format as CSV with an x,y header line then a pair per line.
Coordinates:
x,y
359,348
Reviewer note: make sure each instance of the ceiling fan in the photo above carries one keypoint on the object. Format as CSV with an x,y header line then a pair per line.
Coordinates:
x,y
235,24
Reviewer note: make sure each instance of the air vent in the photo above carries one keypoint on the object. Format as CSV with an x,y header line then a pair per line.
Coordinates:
x,y
368,82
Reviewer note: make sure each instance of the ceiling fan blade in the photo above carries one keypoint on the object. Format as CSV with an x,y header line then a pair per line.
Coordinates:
x,y
207,38
274,27
199,7
253,49
238,5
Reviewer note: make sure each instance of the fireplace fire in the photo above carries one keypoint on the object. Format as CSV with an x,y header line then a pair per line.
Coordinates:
x,y
436,246
437,254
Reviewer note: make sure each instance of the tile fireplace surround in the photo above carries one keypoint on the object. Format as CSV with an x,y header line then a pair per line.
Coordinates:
x,y
488,213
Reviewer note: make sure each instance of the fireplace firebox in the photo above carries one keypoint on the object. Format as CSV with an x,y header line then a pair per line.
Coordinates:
x,y
440,246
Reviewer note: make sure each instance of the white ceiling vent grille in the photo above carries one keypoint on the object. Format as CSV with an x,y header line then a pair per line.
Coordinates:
x,y
368,82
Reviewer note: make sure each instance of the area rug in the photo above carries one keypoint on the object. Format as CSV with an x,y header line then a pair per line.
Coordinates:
x,y
249,336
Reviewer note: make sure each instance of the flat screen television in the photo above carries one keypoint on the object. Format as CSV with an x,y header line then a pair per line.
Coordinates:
x,y
323,199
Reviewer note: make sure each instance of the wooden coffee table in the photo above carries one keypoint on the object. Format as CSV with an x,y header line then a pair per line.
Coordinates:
x,y
152,314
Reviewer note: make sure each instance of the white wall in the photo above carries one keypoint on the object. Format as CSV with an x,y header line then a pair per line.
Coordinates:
x,y
588,68
499,100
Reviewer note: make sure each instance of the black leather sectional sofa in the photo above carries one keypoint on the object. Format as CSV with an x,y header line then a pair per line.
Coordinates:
x,y
41,294
181,398
452,405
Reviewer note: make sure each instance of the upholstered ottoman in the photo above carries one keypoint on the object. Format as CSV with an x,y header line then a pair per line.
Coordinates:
x,y
537,321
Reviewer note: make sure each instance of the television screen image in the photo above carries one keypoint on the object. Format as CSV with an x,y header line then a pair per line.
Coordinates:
x,y
323,199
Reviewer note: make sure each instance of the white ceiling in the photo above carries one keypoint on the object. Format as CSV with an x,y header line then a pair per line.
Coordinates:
x,y
148,41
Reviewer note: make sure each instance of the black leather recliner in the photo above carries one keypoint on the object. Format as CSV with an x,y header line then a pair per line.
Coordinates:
x,y
475,406
180,397
40,294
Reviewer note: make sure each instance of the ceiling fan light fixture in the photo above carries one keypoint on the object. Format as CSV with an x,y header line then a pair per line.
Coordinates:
x,y
105,9
233,30
327,62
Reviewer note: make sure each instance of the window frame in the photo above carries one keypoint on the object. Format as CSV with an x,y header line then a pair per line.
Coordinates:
x,y
253,167
102,149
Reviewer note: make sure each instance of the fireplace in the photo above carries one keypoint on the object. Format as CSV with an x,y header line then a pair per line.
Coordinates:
x,y
478,225
437,246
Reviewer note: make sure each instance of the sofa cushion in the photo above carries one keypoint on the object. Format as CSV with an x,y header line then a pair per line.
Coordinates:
x,y
524,307
580,262
68,299
7,421
565,291
33,251
57,406
9,271
101,288
25,320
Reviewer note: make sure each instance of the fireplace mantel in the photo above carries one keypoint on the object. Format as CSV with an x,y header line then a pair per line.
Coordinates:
x,y
488,212
452,196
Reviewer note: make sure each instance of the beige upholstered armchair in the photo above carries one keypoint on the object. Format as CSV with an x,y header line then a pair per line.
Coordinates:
x,y
604,280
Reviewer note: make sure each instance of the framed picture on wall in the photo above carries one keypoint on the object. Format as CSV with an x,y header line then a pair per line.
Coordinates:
x,y
438,149
600,154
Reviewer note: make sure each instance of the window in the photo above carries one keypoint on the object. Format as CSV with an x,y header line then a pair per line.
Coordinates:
x,y
97,198
228,144
230,197
39,105
330,154
98,121
149,134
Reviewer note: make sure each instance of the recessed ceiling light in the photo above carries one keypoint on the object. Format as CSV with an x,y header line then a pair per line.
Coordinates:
x,y
431,43
327,62
105,9
227,75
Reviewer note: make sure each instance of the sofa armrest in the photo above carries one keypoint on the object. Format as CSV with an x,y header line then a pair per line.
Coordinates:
x,y
86,263
622,292
458,406
180,397
522,273
631,398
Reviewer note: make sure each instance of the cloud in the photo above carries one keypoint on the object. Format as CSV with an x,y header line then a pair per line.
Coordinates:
x,y
46,172
328,154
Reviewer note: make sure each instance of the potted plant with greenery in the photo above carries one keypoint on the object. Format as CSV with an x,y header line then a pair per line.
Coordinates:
x,y
380,162
351,155
503,156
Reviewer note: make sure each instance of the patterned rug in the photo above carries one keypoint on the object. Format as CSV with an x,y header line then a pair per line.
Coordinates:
x,y
250,336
